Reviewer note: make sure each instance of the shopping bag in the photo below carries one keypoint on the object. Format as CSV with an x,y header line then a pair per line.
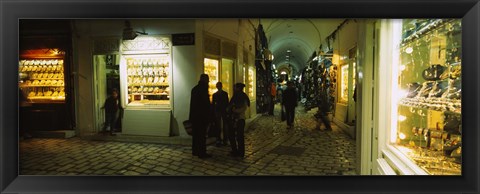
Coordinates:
x,y
188,126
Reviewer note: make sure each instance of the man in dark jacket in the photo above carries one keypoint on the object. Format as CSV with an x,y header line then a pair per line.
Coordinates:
x,y
200,107
220,103
289,100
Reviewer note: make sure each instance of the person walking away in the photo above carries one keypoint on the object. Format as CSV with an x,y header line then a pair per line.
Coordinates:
x,y
238,105
290,102
323,108
199,116
220,103
273,93
112,111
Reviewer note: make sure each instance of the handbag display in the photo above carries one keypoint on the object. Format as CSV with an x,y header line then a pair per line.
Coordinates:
x,y
413,89
426,88
454,90
434,72
438,89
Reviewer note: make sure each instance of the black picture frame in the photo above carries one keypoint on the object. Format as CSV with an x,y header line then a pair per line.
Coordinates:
x,y
12,11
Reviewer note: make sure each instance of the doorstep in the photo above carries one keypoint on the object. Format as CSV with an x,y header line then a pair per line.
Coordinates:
x,y
64,134
348,129
175,140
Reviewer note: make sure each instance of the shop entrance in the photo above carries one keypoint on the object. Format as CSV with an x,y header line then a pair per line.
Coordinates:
x,y
106,78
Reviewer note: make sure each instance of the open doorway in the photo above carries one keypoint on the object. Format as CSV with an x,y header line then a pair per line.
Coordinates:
x,y
107,78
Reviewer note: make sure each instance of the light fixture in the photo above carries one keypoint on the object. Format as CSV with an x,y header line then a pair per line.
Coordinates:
x,y
283,73
409,50
129,33
402,136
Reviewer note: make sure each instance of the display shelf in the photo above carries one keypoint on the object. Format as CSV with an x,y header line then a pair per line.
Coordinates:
x,y
42,79
151,94
161,85
147,78
445,105
433,162
34,86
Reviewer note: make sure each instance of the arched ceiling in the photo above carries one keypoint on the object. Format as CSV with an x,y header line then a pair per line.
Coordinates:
x,y
301,37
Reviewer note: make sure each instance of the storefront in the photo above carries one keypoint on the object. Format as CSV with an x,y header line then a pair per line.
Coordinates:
x,y
45,86
219,63
145,85
154,69
419,79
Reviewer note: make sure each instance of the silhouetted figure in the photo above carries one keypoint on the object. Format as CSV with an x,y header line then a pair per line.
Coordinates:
x,y
112,111
220,103
200,116
273,94
289,101
237,107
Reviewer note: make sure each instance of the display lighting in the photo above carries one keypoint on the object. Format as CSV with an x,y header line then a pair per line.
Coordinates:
x,y
396,93
273,65
402,136
283,73
402,67
409,50
289,51
402,118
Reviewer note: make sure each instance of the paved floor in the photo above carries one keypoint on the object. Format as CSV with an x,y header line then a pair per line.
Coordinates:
x,y
271,149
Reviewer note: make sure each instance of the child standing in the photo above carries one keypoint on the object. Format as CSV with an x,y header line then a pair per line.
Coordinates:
x,y
112,111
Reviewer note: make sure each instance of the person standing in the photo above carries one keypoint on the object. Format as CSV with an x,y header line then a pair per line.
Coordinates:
x,y
220,103
112,111
290,102
238,105
273,93
200,116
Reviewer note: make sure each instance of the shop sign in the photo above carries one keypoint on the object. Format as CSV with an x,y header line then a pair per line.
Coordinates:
x,y
183,39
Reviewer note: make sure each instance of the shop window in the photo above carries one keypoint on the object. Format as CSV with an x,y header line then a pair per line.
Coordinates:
x,y
344,84
211,69
148,80
426,118
227,76
41,74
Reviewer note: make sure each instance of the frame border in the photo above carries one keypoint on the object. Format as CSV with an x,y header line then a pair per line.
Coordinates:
x,y
12,11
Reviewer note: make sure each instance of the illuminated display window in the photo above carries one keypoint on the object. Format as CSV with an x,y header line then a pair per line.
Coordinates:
x,y
426,97
211,69
41,74
148,79
344,84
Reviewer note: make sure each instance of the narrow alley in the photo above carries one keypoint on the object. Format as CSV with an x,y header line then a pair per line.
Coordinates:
x,y
271,149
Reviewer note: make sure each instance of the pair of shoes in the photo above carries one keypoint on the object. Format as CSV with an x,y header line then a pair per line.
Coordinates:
x,y
205,156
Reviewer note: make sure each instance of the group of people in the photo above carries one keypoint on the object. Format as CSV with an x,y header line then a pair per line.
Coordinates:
x,y
224,116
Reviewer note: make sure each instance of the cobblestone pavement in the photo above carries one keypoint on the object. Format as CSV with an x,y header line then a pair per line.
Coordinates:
x,y
271,149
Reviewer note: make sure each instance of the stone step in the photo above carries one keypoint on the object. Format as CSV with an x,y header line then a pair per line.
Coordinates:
x,y
54,134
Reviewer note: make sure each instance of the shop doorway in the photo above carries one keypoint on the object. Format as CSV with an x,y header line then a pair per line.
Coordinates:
x,y
106,78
